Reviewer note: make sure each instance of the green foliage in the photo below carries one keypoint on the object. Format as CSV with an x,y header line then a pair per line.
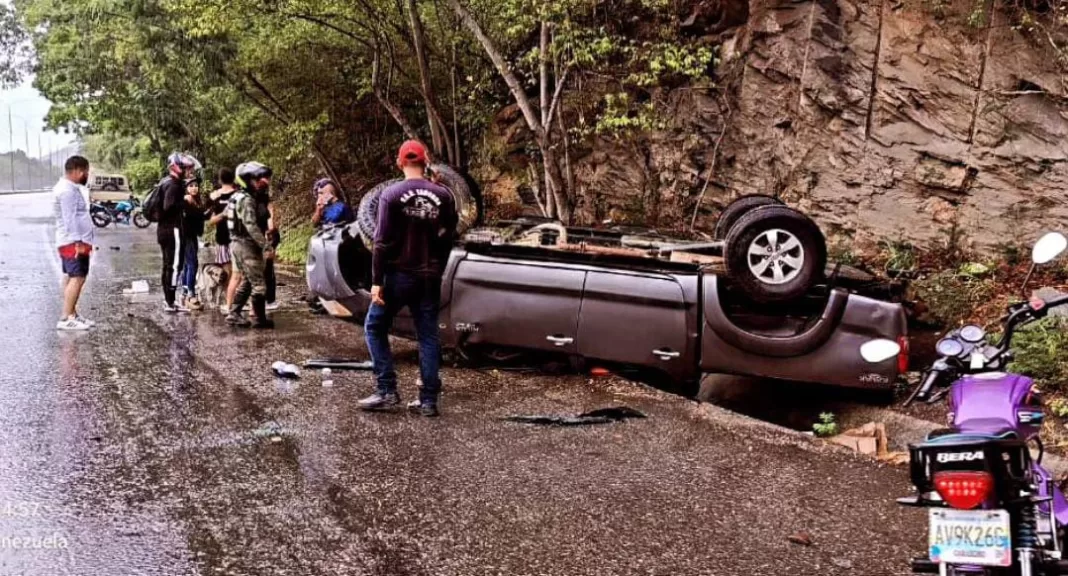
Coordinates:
x,y
900,255
1041,351
826,425
952,297
842,252
1059,407
974,269
294,246
1010,253
325,86
14,50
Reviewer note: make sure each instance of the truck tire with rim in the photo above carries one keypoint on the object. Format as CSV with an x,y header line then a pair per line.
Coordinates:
x,y
467,205
775,254
367,213
736,209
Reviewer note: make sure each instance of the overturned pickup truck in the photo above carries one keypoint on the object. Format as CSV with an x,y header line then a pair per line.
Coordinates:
x,y
634,300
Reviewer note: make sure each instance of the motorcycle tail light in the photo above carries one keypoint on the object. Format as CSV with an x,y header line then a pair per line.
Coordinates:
x,y
963,490
903,355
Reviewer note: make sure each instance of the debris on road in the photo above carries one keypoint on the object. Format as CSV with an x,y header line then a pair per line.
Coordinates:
x,y
137,287
600,416
802,538
870,440
338,364
284,370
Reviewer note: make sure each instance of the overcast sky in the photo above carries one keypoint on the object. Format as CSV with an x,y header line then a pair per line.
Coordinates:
x,y
28,109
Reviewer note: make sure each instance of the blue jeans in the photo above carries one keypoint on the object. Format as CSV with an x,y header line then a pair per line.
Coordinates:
x,y
422,297
189,274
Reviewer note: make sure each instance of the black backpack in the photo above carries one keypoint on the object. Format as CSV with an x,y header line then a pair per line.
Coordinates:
x,y
153,204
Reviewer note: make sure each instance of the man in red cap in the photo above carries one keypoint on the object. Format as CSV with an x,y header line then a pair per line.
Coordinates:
x,y
416,229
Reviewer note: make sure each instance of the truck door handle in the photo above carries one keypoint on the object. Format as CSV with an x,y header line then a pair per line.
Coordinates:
x,y
560,340
666,354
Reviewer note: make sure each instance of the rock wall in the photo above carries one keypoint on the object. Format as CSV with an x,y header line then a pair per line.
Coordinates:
x,y
877,118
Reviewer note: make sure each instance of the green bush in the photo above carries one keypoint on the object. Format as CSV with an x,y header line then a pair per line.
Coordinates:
x,y
826,426
294,246
1041,351
951,297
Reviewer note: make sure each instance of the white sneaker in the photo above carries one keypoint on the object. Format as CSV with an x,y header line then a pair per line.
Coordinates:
x,y
72,324
79,318
273,306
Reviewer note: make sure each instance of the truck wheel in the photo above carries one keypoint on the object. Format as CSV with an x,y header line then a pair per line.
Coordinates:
x,y
775,254
367,213
737,209
466,204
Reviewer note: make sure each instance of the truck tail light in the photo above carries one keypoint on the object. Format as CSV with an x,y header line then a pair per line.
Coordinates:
x,y
963,490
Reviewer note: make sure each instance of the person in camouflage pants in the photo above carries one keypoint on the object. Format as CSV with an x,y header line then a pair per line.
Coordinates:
x,y
249,244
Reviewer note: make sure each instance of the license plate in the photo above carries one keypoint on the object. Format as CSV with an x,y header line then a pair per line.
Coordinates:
x,y
975,537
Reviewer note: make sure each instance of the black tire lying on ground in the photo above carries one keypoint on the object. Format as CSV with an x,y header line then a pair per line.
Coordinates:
x,y
467,204
775,254
736,209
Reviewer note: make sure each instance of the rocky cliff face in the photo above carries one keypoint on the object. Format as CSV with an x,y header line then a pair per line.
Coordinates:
x,y
877,118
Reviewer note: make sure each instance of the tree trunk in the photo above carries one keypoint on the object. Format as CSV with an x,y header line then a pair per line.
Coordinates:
x,y
548,154
283,116
438,133
460,160
383,99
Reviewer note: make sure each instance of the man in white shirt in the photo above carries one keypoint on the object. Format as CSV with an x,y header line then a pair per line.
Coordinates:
x,y
74,239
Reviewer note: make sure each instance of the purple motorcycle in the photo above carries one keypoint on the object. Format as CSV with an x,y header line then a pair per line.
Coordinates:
x,y
993,509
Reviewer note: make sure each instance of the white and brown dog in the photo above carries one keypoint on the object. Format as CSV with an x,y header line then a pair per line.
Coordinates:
x,y
211,285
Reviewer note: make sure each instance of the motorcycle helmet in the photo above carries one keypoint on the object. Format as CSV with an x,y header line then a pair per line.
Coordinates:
x,y
249,172
180,162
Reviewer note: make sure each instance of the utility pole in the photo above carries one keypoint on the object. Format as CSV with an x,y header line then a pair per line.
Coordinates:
x,y
11,139
29,164
39,160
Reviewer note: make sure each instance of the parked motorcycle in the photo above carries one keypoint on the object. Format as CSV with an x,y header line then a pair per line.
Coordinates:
x,y
124,212
992,507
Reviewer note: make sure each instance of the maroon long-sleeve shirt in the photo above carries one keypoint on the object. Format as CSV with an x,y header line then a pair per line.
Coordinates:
x,y
416,229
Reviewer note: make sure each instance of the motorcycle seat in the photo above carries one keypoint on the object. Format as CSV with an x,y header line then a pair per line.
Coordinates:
x,y
974,431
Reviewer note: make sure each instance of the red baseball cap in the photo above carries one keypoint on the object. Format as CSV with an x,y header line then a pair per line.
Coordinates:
x,y
412,151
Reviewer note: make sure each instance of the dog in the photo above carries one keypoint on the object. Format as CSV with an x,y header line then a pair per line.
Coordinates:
x,y
211,285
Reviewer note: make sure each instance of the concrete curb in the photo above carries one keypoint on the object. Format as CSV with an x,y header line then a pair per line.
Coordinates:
x,y
903,429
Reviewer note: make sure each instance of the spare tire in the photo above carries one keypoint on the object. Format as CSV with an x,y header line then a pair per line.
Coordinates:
x,y
736,209
466,205
367,213
775,254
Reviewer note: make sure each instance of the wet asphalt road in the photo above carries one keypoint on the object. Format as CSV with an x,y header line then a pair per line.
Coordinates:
x,y
160,445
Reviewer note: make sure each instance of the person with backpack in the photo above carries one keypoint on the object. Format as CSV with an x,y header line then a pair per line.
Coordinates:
x,y
220,199
248,217
165,205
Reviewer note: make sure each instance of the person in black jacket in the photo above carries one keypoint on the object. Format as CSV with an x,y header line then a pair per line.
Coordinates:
x,y
169,233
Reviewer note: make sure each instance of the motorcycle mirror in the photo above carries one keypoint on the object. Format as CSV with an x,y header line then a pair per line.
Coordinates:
x,y
876,351
1049,247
